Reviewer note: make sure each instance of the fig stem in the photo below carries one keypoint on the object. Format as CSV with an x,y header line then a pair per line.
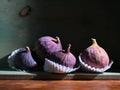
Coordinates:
x,y
68,48
58,39
94,41
27,48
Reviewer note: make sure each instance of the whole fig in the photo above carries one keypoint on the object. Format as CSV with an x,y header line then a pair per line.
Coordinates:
x,y
21,59
64,57
62,61
46,45
95,56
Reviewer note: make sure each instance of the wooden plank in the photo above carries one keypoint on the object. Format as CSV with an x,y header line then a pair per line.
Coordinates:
x,y
20,75
59,85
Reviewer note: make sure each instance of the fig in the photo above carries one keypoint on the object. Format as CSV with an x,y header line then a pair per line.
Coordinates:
x,y
62,61
64,57
95,57
46,45
21,59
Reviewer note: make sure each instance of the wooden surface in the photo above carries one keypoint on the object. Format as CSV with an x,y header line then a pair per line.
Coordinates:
x,y
20,75
60,84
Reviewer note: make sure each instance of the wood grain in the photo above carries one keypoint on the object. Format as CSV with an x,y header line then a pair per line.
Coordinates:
x,y
60,84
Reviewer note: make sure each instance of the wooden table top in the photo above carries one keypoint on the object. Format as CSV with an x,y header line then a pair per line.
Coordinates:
x,y
60,84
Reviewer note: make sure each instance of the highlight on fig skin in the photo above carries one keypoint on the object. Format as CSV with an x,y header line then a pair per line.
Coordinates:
x,y
47,45
95,55
64,57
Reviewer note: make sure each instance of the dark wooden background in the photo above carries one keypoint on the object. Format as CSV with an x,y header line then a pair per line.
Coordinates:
x,y
74,21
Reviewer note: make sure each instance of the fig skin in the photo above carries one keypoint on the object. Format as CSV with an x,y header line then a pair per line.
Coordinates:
x,y
24,60
95,56
64,57
47,45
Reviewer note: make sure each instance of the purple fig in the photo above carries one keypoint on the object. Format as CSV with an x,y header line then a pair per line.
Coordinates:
x,y
64,57
95,56
46,45
22,59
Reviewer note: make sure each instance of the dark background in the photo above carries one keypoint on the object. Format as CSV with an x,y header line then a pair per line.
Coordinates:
x,y
74,21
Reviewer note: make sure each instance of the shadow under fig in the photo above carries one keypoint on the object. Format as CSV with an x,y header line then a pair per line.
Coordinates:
x,y
4,63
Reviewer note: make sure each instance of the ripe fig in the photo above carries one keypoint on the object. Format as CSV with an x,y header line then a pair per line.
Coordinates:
x,y
95,57
21,59
46,45
62,61
64,57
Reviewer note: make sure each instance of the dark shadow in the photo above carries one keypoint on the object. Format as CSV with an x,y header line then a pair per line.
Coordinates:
x,y
4,63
